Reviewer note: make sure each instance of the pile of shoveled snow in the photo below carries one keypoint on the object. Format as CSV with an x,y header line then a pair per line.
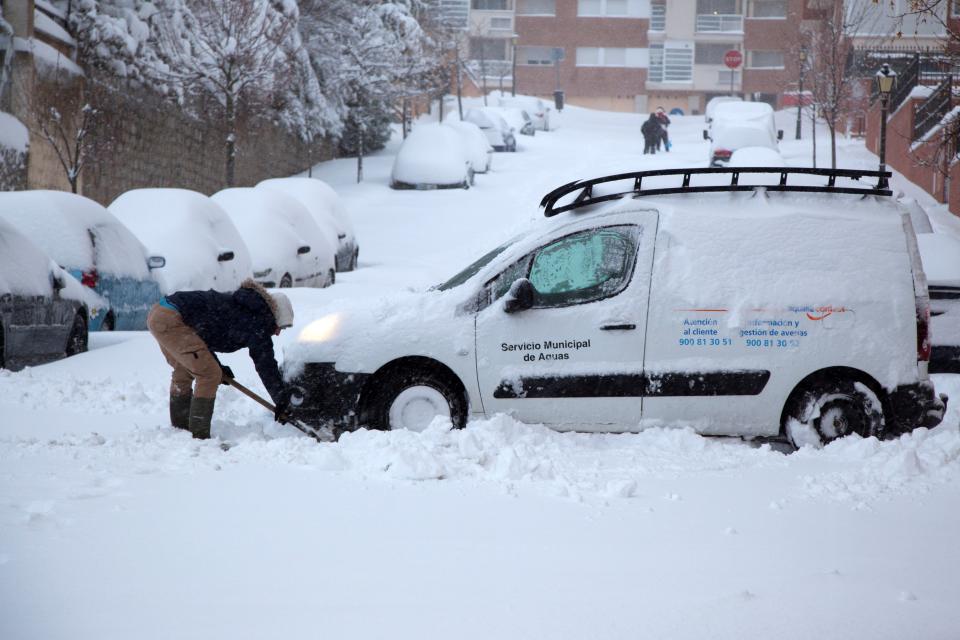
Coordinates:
x,y
499,452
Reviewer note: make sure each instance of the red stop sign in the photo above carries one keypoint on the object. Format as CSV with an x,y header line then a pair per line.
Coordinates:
x,y
732,58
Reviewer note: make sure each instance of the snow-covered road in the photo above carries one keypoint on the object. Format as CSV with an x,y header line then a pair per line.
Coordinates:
x,y
113,526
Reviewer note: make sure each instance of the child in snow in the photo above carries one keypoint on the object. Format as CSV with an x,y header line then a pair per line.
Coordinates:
x,y
664,121
191,325
651,131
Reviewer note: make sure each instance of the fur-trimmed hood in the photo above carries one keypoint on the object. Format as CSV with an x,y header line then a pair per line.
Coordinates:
x,y
249,283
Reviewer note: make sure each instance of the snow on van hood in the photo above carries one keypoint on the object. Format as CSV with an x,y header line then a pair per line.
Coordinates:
x,y
366,329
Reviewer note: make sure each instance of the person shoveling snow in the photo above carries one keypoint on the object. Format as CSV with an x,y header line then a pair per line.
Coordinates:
x,y
191,325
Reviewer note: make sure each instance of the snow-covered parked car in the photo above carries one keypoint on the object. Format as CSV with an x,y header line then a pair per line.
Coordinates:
x,y
538,109
44,311
756,157
287,247
328,211
202,248
479,151
659,309
94,247
740,124
519,120
498,132
432,157
941,263
716,102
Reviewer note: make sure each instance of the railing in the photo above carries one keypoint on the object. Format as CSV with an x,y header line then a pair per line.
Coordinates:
x,y
719,23
931,111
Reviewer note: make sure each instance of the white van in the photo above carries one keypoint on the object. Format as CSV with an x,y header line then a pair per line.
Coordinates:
x,y
734,309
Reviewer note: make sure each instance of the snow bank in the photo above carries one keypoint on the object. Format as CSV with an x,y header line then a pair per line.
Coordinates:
x,y
13,133
45,24
190,230
46,57
431,155
76,232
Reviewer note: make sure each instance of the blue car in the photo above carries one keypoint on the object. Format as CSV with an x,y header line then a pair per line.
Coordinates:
x,y
92,246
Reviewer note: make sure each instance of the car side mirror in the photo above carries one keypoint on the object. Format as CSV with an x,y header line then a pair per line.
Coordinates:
x,y
779,134
520,297
302,250
156,262
225,256
705,136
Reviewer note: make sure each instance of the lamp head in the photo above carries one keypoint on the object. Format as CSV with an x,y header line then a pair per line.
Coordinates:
x,y
886,78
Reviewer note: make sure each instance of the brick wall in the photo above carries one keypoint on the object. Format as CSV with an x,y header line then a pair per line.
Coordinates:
x,y
148,142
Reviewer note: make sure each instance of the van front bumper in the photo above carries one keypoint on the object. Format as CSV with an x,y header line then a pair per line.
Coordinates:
x,y
327,397
913,406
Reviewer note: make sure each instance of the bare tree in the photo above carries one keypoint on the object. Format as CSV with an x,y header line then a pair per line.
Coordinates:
x,y
234,52
65,113
831,83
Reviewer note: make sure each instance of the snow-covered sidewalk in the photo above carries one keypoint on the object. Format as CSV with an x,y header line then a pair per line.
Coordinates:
x,y
113,526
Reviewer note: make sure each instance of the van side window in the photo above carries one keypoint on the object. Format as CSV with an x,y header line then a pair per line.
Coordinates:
x,y
579,268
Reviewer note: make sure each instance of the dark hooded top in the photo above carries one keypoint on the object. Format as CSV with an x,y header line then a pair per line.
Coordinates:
x,y
228,322
651,128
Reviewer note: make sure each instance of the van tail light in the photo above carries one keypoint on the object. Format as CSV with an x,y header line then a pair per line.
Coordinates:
x,y
923,329
90,278
722,153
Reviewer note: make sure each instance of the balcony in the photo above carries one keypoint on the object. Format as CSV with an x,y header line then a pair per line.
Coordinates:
x,y
719,23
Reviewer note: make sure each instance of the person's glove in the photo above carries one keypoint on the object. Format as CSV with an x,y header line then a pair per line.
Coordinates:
x,y
282,412
225,375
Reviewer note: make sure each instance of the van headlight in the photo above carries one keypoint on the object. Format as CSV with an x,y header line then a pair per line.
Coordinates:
x,y
321,330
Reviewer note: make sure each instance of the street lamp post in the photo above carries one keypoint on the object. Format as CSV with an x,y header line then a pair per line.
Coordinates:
x,y
803,62
886,78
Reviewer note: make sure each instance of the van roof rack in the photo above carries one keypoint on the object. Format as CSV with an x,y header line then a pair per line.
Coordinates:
x,y
586,197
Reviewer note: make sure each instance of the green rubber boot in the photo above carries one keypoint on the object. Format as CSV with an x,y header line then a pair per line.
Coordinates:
x,y
180,411
201,413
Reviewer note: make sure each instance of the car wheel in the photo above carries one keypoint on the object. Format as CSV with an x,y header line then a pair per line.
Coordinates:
x,y
3,360
331,278
109,323
77,341
831,408
355,259
286,281
412,399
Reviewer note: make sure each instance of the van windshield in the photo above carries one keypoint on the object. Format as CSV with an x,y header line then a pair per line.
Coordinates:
x,y
474,268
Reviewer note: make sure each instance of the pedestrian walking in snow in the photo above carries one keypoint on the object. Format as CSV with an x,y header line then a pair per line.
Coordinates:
x,y
651,134
664,121
190,326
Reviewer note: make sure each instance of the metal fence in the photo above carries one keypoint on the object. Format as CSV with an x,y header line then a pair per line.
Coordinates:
x,y
931,111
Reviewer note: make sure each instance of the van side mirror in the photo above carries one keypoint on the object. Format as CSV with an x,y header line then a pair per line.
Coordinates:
x,y
302,250
520,297
705,135
156,262
779,134
225,256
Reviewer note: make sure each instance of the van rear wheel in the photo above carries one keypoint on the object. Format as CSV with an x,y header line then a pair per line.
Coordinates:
x,y
831,408
77,341
412,399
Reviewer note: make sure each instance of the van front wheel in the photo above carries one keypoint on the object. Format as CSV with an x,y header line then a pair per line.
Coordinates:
x,y
831,408
412,399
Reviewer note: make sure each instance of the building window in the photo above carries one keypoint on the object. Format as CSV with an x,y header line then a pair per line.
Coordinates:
x,y
671,62
712,53
724,78
766,59
955,8
612,8
717,7
501,24
769,9
488,49
658,16
629,57
536,7
491,5
535,55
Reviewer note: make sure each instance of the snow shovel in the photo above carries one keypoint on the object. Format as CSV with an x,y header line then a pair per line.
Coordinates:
x,y
310,431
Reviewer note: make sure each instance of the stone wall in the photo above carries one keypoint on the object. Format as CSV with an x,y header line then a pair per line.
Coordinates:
x,y
146,141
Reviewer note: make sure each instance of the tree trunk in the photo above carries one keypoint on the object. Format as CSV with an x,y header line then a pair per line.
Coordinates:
x,y
231,114
833,144
813,135
359,153
459,88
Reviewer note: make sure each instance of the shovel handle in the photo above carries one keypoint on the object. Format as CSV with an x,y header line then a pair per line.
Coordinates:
x,y
270,407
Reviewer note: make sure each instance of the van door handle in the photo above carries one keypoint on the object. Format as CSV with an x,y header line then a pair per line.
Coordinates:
x,y
618,327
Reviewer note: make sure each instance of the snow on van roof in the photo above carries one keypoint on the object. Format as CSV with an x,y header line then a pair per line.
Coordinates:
x,y
61,224
742,110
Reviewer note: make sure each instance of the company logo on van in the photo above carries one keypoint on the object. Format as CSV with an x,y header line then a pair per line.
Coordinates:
x,y
819,313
